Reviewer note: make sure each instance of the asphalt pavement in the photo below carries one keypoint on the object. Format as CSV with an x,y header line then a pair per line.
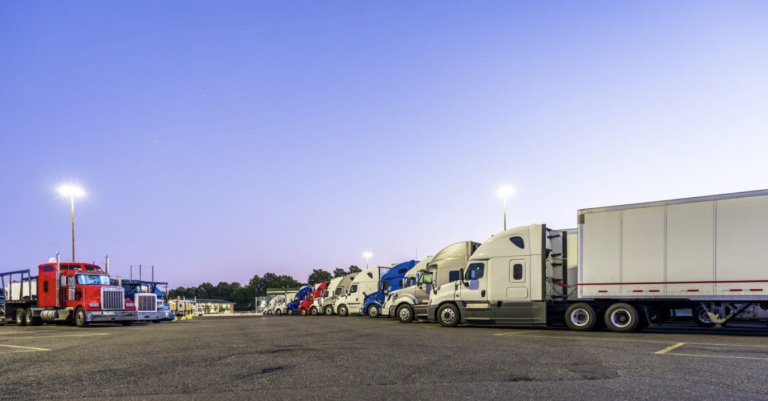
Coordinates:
x,y
359,358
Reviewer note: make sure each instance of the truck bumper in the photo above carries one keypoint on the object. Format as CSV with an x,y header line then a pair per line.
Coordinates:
x,y
140,316
432,313
110,316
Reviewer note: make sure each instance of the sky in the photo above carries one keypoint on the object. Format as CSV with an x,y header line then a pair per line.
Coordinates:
x,y
219,140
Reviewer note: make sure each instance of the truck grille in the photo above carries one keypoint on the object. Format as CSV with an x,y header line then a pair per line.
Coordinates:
x,y
112,298
146,302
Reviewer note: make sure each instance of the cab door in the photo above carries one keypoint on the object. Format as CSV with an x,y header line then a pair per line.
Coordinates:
x,y
512,298
473,295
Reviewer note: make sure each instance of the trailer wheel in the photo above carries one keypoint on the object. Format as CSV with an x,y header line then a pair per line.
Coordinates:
x,y
701,318
343,311
20,314
448,315
405,314
581,317
303,312
373,311
80,318
329,310
313,311
622,318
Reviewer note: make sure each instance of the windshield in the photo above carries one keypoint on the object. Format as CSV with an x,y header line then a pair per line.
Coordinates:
x,y
92,279
338,291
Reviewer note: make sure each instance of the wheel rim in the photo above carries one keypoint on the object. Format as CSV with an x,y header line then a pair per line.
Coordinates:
x,y
342,311
704,317
373,311
580,317
80,317
447,316
621,318
28,318
328,311
405,313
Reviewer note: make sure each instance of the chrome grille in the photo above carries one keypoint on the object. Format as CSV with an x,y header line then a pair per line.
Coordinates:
x,y
112,298
146,302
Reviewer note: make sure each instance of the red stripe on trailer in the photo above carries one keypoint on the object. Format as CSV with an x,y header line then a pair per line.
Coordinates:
x,y
653,290
756,289
637,290
736,289
603,291
693,290
679,282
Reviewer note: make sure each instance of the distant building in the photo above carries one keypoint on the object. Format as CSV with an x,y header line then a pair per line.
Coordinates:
x,y
216,306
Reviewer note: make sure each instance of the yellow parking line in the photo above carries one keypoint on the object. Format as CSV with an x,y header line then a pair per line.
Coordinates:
x,y
431,327
26,348
670,348
512,333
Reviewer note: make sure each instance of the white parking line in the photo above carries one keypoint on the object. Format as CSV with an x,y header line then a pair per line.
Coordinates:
x,y
512,333
719,356
65,335
26,349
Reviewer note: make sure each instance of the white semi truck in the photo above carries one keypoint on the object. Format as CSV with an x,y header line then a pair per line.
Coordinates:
x,y
411,285
631,265
366,282
276,305
335,292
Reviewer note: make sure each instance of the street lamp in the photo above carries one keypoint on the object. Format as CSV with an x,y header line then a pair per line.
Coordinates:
x,y
367,256
72,191
505,192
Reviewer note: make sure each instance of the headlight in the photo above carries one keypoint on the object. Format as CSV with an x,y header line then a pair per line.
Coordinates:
x,y
94,304
129,304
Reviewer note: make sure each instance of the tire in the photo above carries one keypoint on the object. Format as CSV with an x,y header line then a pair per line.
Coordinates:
x,y
303,312
404,314
329,310
343,311
448,315
20,314
373,311
80,318
279,312
622,318
128,323
581,317
289,312
313,311
701,318
31,320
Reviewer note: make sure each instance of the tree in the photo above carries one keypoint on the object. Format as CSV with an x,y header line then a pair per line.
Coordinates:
x,y
354,269
318,276
223,289
339,273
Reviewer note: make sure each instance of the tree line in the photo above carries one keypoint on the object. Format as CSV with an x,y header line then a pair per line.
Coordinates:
x,y
243,295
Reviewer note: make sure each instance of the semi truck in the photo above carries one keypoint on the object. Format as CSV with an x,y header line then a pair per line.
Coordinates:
x,y
277,303
326,298
366,282
444,268
630,266
292,307
78,293
390,281
334,293
410,283
306,306
145,296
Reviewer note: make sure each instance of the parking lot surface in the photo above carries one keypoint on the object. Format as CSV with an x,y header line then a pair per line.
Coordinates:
x,y
281,358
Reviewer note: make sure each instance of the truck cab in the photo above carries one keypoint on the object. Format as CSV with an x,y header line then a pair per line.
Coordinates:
x,y
503,282
390,281
292,307
144,296
410,287
329,304
366,282
306,306
277,303
327,299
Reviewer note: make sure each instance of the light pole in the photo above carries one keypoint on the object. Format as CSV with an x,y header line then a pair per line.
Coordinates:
x,y
72,191
367,256
504,192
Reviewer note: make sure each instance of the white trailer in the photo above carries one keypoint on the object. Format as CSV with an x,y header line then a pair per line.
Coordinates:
x,y
635,263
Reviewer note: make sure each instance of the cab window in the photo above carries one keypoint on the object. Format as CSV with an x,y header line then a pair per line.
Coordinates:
x,y
475,271
353,289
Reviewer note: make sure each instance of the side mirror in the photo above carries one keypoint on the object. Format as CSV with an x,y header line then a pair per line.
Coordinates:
x,y
461,277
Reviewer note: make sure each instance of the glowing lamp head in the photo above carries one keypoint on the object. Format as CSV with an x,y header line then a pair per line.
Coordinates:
x,y
505,191
367,255
71,190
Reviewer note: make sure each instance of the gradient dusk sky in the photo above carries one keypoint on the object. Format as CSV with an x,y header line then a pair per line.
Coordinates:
x,y
221,139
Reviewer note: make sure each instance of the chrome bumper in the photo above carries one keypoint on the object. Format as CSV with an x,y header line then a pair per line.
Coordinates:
x,y
152,315
109,316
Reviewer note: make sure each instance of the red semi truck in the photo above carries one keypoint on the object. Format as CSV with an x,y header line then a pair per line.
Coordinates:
x,y
305,307
78,293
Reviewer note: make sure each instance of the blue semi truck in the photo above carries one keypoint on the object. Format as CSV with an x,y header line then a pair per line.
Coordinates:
x,y
390,281
293,307
149,299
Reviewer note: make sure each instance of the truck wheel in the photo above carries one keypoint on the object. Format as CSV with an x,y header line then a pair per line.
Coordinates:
x,y
20,314
128,323
279,312
80,318
343,310
448,315
329,310
290,312
622,318
313,311
31,320
405,314
303,312
581,317
373,311
701,318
